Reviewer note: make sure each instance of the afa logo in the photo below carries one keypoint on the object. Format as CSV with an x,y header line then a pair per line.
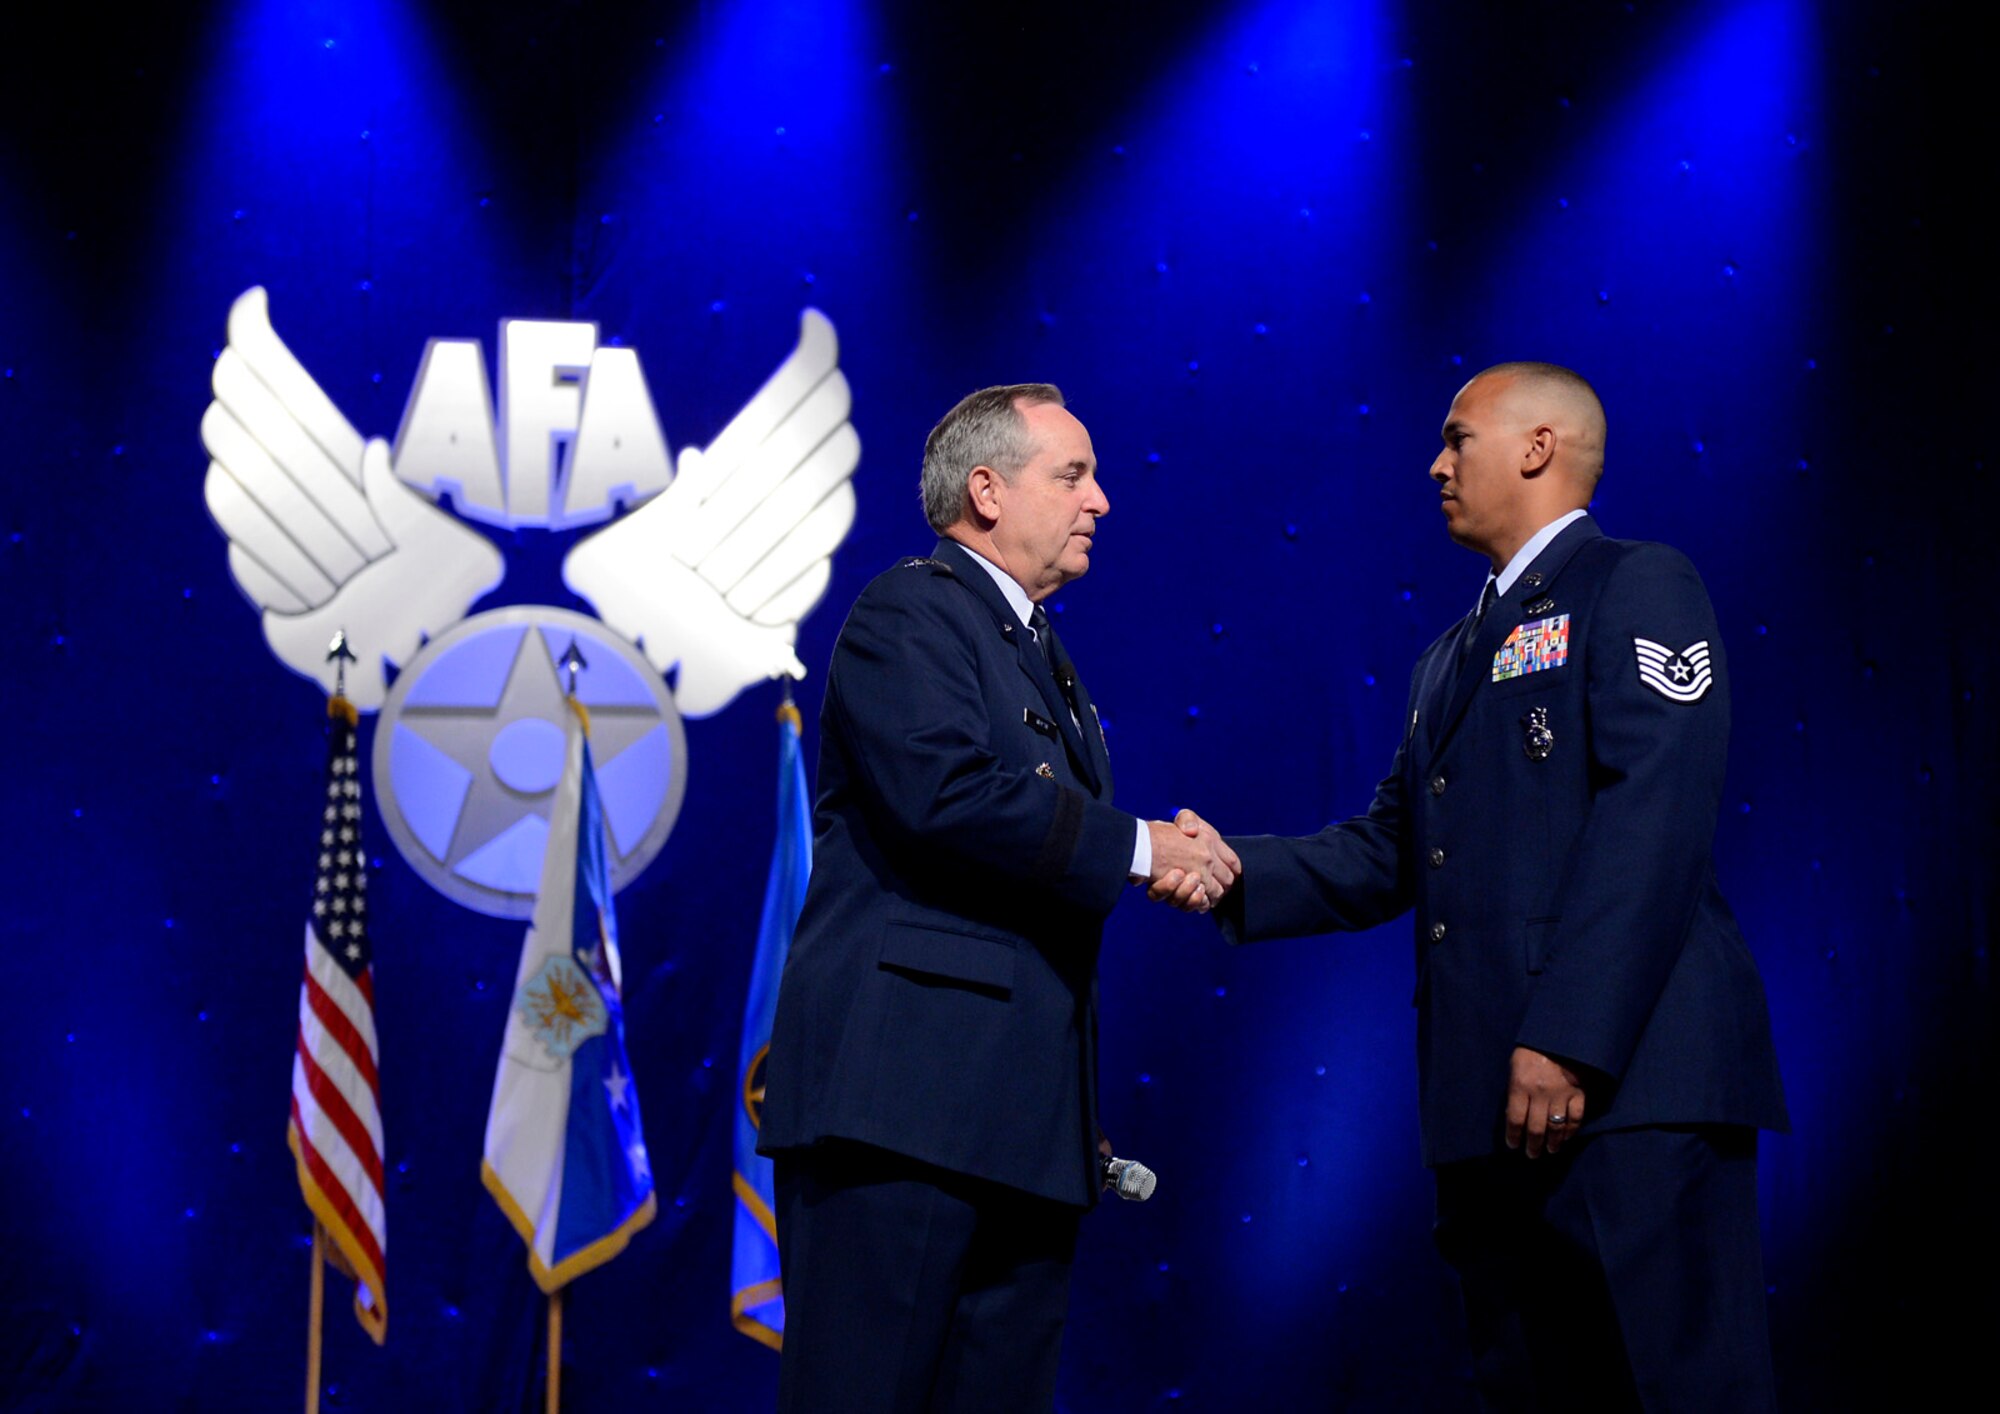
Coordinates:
x,y
706,567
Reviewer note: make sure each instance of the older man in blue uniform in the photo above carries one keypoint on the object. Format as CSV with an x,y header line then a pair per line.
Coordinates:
x,y
931,1090
1594,1051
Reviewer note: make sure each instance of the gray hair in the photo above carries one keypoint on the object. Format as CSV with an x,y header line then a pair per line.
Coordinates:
x,y
985,429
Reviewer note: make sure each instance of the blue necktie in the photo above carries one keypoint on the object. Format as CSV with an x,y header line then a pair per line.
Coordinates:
x,y
1486,598
1058,661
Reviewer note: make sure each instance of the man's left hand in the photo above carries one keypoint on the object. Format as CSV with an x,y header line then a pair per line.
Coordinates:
x,y
1544,1102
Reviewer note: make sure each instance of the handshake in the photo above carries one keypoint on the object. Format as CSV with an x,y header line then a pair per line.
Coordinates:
x,y
1192,866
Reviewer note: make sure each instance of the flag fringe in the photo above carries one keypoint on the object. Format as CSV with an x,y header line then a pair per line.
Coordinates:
x,y
346,1255
553,1279
753,1201
763,1293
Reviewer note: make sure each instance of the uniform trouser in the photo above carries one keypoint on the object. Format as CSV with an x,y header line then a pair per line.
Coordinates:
x,y
909,1288
1622,1274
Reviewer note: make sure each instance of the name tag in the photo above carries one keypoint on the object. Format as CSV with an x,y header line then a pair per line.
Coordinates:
x,y
1533,647
1038,722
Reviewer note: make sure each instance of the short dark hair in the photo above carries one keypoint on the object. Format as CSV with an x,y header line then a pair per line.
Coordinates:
x,y
1567,378
1565,381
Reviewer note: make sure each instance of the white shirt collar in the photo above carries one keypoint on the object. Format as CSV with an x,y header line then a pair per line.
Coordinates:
x,y
1017,597
1525,556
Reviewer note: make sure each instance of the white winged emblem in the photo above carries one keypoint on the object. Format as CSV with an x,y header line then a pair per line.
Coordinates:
x,y
716,571
322,536
713,573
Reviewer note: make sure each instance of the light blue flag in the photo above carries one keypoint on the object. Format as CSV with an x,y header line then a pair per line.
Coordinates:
x,y
757,1297
565,1154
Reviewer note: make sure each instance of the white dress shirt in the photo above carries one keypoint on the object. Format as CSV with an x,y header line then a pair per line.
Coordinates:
x,y
1024,610
1525,556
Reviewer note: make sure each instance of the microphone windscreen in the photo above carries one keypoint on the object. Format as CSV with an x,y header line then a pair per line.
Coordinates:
x,y
1135,1181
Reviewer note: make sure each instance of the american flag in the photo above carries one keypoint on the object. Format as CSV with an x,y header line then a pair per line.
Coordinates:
x,y
336,1125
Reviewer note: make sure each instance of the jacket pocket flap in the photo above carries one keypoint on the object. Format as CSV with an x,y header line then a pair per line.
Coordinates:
x,y
985,962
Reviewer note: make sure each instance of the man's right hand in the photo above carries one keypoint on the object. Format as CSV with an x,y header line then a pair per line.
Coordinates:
x,y
1192,866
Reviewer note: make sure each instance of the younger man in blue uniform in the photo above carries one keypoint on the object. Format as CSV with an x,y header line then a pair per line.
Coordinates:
x,y
1594,1052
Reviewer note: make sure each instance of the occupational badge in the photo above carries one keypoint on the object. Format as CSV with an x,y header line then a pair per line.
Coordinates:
x,y
1537,740
1679,675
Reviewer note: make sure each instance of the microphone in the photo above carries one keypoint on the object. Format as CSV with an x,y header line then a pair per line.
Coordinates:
x,y
1129,1178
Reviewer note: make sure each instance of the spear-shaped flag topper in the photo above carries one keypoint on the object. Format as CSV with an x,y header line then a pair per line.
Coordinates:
x,y
573,659
340,655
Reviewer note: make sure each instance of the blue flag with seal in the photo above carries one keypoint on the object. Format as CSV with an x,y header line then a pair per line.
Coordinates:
x,y
565,1155
756,1291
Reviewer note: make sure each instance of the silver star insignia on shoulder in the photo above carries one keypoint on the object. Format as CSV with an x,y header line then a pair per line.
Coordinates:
x,y
1679,675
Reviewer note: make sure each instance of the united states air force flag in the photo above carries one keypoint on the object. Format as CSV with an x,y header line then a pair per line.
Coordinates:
x,y
565,1156
756,1299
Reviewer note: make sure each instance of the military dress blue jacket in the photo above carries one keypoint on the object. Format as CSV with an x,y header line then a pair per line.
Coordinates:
x,y
1550,818
940,995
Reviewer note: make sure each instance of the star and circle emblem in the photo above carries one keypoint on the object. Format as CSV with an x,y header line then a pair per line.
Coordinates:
x,y
470,746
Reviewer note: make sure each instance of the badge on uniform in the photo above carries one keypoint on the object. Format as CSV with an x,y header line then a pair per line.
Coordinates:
x,y
1679,675
1533,648
1537,740
1045,772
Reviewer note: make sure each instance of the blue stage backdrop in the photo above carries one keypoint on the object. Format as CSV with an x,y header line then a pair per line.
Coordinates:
x,y
1260,245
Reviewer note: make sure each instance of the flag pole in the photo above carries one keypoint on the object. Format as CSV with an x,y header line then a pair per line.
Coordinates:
x,y
572,660
341,655
316,1308
554,1404
344,1197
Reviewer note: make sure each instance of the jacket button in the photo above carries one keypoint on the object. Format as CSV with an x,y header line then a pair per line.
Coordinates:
x,y
1437,858
1437,785
1437,932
